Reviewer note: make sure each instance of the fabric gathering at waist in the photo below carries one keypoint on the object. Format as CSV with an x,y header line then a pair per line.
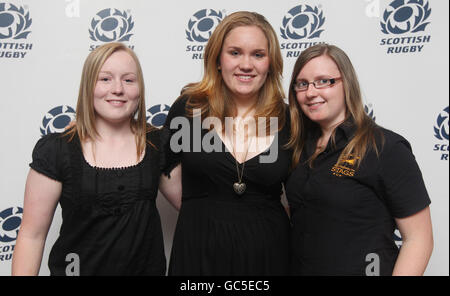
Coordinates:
x,y
231,197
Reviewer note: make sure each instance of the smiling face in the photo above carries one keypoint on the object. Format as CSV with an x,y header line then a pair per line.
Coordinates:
x,y
325,106
116,93
244,62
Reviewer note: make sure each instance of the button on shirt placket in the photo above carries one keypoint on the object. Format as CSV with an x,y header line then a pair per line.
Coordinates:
x,y
120,188
119,175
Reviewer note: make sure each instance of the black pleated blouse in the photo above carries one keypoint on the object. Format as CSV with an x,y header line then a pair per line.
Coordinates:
x,y
109,217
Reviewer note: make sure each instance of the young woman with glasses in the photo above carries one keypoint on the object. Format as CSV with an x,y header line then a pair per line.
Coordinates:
x,y
353,181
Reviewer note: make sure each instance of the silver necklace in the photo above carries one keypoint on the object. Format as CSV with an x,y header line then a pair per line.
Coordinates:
x,y
239,186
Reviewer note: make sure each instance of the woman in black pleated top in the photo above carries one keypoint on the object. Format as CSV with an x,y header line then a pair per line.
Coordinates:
x,y
231,220
104,172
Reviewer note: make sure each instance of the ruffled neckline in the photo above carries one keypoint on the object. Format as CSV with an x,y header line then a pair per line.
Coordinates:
x,y
111,169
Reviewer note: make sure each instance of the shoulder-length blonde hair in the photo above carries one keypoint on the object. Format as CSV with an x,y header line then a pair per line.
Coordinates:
x,y
85,115
366,129
212,96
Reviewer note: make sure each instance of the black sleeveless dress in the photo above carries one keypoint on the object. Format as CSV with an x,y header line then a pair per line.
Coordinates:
x,y
219,232
109,217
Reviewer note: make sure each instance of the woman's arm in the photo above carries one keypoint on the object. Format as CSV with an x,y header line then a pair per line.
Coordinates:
x,y
417,236
171,187
41,198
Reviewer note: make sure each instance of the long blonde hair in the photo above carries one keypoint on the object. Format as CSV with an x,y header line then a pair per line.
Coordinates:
x,y
85,115
364,138
212,96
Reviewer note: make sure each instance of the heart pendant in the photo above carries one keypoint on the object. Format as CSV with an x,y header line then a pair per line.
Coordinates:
x,y
239,188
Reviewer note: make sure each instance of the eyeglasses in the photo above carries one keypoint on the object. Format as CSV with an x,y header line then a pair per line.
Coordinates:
x,y
320,83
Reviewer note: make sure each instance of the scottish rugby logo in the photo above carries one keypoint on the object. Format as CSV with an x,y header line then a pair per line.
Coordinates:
x,y
111,25
57,119
405,19
15,23
202,24
301,24
369,111
398,238
200,27
441,128
401,17
441,132
157,114
10,220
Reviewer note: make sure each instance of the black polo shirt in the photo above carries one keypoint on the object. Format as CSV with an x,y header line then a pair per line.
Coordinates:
x,y
343,217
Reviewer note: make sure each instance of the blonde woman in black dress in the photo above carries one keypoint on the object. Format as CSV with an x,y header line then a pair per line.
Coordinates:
x,y
231,220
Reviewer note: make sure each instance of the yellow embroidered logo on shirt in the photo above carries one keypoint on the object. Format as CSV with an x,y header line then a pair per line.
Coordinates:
x,y
344,167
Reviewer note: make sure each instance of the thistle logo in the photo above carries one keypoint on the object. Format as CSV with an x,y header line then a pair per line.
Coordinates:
x,y
202,24
57,119
15,23
441,132
10,220
404,18
200,27
369,111
110,25
301,22
157,114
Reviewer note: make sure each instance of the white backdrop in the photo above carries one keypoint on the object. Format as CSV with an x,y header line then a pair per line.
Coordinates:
x,y
400,50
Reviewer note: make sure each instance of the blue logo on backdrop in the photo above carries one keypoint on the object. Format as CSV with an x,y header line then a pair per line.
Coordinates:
x,y
401,17
200,27
202,24
441,128
405,17
110,25
57,119
398,238
369,111
157,114
15,23
10,220
441,132
301,22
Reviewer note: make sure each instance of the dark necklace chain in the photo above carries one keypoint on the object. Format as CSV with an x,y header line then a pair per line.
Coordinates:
x,y
239,186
